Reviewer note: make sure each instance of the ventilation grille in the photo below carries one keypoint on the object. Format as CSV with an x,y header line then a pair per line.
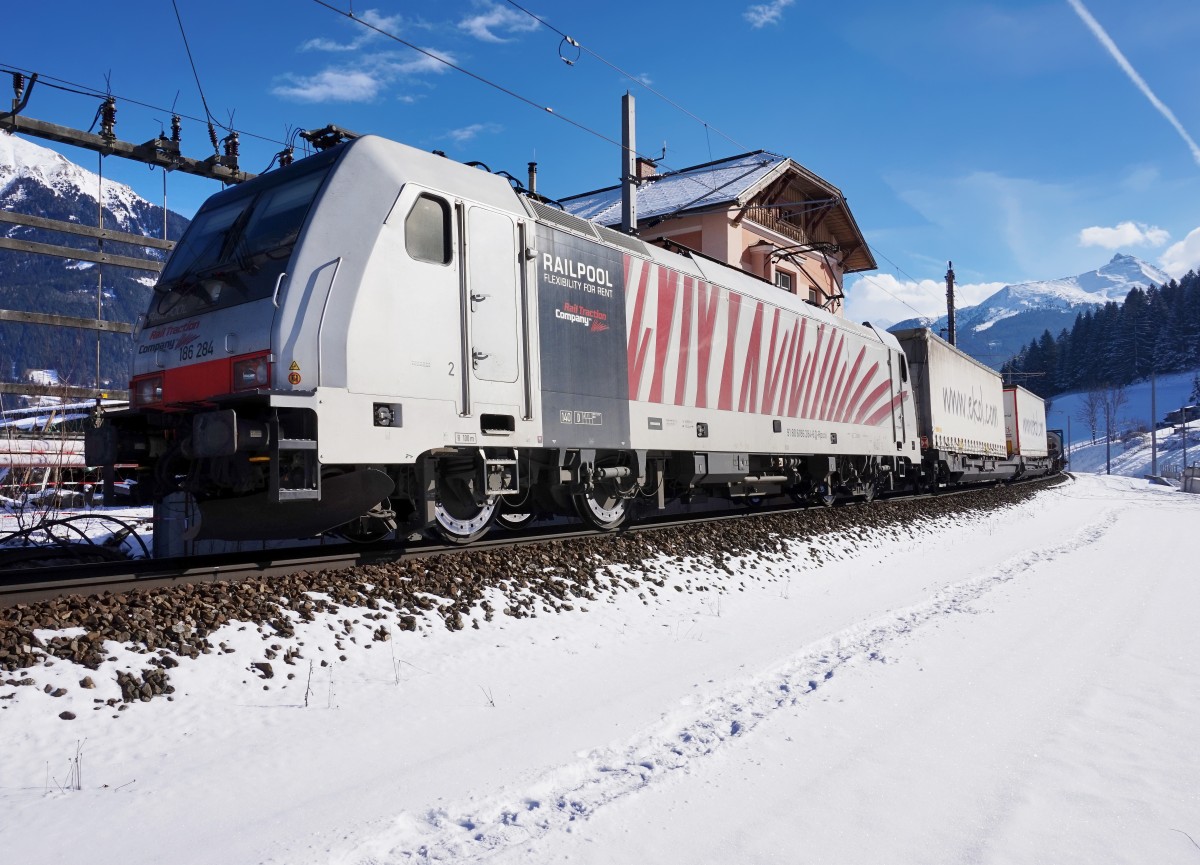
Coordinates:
x,y
624,241
562,219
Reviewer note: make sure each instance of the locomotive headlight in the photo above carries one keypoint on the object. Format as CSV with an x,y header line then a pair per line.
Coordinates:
x,y
148,391
251,372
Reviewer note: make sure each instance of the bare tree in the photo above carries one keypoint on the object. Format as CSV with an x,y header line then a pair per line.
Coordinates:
x,y
1114,399
1091,410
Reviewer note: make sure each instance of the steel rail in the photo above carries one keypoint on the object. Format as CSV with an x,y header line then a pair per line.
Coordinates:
x,y
29,585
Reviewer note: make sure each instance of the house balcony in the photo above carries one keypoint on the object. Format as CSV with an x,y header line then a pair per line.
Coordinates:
x,y
768,218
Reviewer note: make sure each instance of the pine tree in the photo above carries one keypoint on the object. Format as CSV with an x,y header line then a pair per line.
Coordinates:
x,y
1047,366
1062,374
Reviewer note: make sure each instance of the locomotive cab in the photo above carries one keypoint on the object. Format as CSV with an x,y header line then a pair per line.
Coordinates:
x,y
206,376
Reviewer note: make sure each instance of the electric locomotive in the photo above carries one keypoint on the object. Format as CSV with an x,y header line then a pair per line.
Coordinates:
x,y
376,337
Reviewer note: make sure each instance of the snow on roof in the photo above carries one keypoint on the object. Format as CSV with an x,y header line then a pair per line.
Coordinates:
x,y
701,186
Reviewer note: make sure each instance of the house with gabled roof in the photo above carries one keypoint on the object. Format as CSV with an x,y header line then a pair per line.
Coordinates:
x,y
759,211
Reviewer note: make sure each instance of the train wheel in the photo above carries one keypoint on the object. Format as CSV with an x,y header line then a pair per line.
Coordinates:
x,y
870,490
800,493
601,507
514,520
461,522
824,495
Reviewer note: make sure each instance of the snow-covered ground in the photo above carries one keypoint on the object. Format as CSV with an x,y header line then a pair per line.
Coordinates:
x,y
1172,392
115,526
1135,455
1016,688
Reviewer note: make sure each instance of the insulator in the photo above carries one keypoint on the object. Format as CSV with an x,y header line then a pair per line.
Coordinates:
x,y
18,85
212,136
108,118
231,150
176,128
286,157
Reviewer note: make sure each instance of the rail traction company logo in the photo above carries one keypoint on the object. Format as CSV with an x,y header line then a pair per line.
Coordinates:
x,y
595,320
172,336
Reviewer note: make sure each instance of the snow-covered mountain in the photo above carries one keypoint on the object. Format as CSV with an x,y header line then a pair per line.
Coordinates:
x,y
28,171
37,181
1003,324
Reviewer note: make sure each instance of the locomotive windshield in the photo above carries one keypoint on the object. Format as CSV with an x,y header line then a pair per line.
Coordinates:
x,y
238,245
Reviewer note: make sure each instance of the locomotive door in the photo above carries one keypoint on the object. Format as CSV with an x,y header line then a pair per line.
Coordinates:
x,y
491,302
898,368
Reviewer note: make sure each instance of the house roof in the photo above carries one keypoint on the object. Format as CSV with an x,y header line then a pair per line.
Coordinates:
x,y
697,188
722,184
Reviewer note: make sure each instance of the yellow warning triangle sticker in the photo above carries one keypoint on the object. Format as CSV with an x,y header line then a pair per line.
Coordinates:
x,y
295,367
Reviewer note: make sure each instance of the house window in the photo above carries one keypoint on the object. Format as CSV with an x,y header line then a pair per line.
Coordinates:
x,y
783,279
814,296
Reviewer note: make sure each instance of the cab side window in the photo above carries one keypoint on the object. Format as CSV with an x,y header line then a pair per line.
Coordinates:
x,y
427,235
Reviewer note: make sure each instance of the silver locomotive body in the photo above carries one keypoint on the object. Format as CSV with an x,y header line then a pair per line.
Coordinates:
x,y
377,336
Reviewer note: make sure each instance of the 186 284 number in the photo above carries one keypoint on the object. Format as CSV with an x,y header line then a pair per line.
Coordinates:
x,y
196,350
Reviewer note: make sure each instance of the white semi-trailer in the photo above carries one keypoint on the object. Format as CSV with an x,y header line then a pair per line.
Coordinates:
x,y
1024,423
960,410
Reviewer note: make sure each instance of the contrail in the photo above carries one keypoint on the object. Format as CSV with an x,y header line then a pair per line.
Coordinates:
x,y
1112,48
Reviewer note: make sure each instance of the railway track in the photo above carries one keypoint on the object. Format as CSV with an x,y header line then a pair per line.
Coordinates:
x,y
25,585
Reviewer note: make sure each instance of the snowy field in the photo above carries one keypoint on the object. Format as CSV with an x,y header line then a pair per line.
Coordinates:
x,y
1171,393
1019,688
1134,456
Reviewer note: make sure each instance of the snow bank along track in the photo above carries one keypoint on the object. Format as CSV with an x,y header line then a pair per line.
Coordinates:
x,y
170,616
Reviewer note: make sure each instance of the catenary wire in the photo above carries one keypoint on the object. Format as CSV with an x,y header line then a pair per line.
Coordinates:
x,y
84,90
188,48
871,281
707,126
505,90
544,108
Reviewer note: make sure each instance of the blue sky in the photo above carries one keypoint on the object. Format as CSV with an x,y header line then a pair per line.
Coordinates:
x,y
1024,140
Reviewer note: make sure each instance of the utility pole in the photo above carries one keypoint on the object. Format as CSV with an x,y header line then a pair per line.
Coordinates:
x,y
950,303
1185,408
1107,446
628,166
1153,427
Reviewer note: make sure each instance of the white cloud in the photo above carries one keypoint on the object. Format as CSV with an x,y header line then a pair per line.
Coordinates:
x,y
762,14
1123,234
331,85
494,17
468,133
1183,256
387,23
422,63
881,297
1141,179
363,81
